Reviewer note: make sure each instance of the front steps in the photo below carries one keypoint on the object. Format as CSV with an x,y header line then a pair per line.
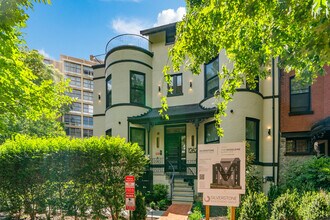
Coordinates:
x,y
182,193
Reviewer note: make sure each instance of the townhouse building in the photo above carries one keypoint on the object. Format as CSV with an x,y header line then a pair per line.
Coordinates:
x,y
127,91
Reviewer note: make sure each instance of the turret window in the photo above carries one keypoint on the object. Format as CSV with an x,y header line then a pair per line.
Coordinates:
x,y
138,87
211,77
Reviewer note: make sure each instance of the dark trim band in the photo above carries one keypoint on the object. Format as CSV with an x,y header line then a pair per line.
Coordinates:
x,y
128,104
270,97
265,164
128,47
128,60
98,66
99,77
248,90
97,115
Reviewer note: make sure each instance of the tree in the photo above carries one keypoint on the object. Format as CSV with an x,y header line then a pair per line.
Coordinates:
x,y
252,33
29,97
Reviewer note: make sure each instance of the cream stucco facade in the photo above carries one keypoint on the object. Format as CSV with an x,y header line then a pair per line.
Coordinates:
x,y
190,111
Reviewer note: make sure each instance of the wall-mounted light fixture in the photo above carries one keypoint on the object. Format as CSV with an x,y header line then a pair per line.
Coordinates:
x,y
190,84
159,89
269,131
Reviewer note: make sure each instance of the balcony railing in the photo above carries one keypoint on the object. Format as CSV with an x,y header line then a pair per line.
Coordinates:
x,y
128,39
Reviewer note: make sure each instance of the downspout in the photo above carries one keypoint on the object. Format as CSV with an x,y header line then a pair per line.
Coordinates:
x,y
279,122
148,130
273,115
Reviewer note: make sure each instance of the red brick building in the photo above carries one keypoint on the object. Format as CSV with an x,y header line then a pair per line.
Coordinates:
x,y
304,116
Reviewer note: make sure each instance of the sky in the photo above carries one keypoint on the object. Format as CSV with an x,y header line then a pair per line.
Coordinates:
x,y
80,28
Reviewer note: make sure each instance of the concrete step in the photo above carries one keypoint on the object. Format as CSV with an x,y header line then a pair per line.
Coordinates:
x,y
182,193
183,199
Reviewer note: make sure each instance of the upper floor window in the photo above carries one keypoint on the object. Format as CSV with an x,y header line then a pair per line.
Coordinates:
x,y
76,106
88,122
88,109
87,133
252,136
170,35
300,97
109,91
74,120
211,70
75,94
108,132
72,67
176,85
138,87
138,135
253,86
88,84
74,81
88,71
297,146
88,96
73,132
211,135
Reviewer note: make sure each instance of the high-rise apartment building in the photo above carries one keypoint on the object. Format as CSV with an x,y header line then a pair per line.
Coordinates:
x,y
79,120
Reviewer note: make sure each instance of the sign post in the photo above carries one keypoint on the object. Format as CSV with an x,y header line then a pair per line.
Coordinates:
x,y
221,174
130,193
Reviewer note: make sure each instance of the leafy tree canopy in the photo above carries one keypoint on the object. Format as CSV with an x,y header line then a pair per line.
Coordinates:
x,y
252,33
28,91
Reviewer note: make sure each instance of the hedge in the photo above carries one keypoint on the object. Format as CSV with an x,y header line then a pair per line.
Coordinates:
x,y
75,177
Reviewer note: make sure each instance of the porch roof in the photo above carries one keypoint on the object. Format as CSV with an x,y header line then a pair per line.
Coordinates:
x,y
321,127
178,114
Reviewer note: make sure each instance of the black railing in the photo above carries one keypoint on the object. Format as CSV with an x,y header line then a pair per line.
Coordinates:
x,y
172,180
127,39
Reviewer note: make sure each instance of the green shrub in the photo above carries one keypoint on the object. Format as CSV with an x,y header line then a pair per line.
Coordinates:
x,y
308,175
153,205
274,192
315,205
159,192
140,212
254,207
164,204
196,215
286,206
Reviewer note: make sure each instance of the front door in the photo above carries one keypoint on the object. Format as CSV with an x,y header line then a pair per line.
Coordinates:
x,y
175,149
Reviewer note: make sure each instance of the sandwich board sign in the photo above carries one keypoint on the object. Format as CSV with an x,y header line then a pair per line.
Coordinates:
x,y
130,193
221,173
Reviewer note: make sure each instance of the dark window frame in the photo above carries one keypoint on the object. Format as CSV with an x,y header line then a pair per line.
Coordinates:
x,y
308,150
170,34
137,88
108,93
257,140
302,112
143,147
108,132
206,81
175,86
206,125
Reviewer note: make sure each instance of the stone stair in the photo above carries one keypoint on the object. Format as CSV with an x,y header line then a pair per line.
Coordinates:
x,y
182,193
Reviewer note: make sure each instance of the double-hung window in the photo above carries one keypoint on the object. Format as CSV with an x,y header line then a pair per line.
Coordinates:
x,y
175,85
252,136
211,70
138,87
297,146
300,97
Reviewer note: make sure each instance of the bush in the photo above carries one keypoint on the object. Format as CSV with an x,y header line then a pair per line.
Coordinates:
x,y
159,192
140,212
286,206
42,176
315,205
196,215
309,175
254,207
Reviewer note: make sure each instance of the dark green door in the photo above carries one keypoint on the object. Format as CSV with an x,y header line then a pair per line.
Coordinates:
x,y
175,149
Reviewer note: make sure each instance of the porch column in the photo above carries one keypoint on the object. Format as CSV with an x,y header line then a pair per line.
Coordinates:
x,y
196,123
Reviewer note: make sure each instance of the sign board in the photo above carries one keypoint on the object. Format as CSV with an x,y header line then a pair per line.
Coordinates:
x,y
130,193
221,172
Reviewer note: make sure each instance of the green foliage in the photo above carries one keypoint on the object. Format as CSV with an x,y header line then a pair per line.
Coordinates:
x,y
273,192
286,206
254,207
159,192
71,176
251,33
308,175
140,212
27,92
315,205
164,204
196,215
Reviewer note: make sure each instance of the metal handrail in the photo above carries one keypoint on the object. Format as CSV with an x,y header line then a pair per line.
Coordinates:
x,y
121,36
172,179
